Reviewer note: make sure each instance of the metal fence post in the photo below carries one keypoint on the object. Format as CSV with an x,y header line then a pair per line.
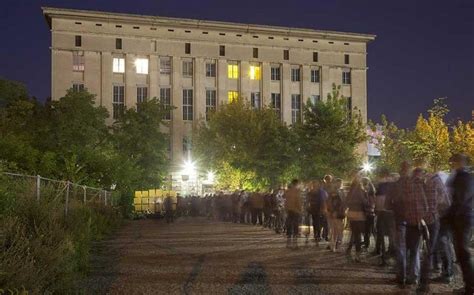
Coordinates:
x,y
85,193
38,187
67,198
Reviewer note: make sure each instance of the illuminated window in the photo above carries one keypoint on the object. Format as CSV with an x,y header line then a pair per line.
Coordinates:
x,y
255,101
233,96
295,108
165,99
346,77
118,65
78,61
165,65
233,71
141,65
254,73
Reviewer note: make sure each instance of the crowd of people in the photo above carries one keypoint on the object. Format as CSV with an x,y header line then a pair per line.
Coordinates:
x,y
422,220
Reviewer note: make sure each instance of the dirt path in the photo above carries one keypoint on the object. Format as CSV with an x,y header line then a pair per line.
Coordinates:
x,y
197,256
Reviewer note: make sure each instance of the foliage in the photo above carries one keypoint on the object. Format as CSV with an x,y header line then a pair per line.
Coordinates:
x,y
463,139
328,137
251,141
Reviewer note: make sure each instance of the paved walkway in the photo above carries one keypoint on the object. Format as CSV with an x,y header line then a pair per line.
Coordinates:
x,y
197,256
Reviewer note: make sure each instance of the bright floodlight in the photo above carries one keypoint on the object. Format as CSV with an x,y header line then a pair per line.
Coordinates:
x,y
189,168
367,167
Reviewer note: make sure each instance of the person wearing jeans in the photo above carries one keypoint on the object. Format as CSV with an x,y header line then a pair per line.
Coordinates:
x,y
356,202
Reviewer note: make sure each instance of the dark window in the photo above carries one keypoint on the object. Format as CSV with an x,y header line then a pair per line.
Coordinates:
x,y
118,101
255,53
187,48
210,69
222,50
136,28
255,101
315,75
187,68
78,41
165,65
276,104
346,59
346,77
275,73
315,56
187,104
286,54
295,75
295,108
77,87
142,94
211,103
165,99
118,43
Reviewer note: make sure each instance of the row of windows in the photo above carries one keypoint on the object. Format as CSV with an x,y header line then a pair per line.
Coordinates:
x,y
141,67
187,50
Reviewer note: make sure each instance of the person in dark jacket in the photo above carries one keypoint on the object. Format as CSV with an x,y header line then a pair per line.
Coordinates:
x,y
317,197
460,216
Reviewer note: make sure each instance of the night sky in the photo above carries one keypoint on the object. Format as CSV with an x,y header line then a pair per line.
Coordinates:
x,y
424,48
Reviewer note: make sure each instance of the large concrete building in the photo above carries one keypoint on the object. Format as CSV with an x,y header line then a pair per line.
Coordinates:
x,y
197,65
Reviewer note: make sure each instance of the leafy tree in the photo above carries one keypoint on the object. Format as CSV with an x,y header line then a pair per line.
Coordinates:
x,y
463,139
249,140
139,138
328,137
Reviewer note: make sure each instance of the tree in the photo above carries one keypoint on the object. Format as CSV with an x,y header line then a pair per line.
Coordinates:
x,y
249,140
328,137
462,140
138,138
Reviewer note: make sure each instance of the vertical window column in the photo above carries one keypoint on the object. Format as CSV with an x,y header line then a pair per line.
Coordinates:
x,y
165,99
211,102
187,104
295,108
118,101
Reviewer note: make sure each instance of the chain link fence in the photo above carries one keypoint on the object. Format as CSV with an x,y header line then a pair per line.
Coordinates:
x,y
68,193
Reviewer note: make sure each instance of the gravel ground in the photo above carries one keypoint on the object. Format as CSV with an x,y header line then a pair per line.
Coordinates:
x,y
198,256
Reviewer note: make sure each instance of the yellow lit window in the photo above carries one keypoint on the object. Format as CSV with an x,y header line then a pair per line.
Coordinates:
x,y
233,71
233,96
254,73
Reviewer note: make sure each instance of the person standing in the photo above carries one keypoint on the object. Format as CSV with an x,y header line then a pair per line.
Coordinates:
x,y
293,206
369,227
335,216
461,217
356,202
317,206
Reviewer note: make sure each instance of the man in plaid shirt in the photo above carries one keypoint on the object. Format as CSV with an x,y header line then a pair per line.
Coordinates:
x,y
421,215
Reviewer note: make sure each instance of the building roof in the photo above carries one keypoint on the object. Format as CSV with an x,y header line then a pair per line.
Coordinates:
x,y
50,12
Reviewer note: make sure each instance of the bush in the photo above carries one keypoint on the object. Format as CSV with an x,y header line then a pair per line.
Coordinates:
x,y
41,249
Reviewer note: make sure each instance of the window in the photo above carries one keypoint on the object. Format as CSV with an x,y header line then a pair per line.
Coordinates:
x,y
165,65
255,53
187,68
233,71
78,61
295,74
315,75
222,50
188,104
187,147
142,94
118,65
165,99
315,56
118,43
314,98
275,73
255,101
210,69
254,73
233,96
77,87
295,108
286,54
346,59
78,41
141,65
211,102
275,103
346,77
118,101
187,48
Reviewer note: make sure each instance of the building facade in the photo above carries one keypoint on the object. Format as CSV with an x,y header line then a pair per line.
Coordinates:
x,y
197,65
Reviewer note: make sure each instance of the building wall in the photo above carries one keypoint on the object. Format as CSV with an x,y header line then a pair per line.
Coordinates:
x,y
154,38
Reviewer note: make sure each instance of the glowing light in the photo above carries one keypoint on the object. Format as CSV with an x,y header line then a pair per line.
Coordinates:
x,y
233,96
367,167
233,71
189,168
141,65
211,177
254,73
119,65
